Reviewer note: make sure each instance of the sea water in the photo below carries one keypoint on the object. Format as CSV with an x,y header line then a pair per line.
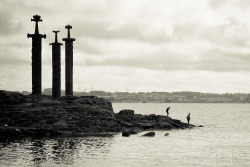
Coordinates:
x,y
223,141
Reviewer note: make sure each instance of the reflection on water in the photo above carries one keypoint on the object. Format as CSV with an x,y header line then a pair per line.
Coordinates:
x,y
223,141
53,151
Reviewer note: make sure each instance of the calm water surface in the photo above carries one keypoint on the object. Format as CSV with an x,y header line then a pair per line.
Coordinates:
x,y
223,141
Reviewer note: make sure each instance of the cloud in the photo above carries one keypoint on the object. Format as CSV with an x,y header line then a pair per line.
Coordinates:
x,y
87,47
9,26
157,38
217,4
222,61
220,4
13,53
118,31
213,60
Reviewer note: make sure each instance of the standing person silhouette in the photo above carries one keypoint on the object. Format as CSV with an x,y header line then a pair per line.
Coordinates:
x,y
167,111
188,118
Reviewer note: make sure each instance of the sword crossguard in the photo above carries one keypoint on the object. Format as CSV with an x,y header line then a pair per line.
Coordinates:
x,y
36,18
56,41
29,35
56,32
43,36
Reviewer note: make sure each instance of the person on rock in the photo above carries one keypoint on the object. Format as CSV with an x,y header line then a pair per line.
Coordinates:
x,y
188,118
167,111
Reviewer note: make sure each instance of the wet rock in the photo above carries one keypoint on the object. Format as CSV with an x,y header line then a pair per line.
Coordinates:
x,y
167,134
125,134
150,134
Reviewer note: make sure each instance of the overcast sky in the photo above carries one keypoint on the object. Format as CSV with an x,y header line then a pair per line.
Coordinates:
x,y
139,45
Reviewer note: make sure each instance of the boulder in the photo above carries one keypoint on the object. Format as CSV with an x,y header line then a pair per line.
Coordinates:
x,y
166,134
127,112
125,134
150,134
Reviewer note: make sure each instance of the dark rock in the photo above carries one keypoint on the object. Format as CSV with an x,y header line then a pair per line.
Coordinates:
x,y
18,132
42,115
176,121
10,132
152,117
29,132
165,125
125,134
127,112
133,131
3,124
150,134
126,124
176,125
127,118
200,126
167,134
54,132
146,125
42,132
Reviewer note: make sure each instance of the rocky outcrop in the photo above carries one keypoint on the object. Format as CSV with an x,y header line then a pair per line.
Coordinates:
x,y
41,115
71,114
145,122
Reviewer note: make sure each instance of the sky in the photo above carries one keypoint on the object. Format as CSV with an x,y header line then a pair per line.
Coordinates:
x,y
132,45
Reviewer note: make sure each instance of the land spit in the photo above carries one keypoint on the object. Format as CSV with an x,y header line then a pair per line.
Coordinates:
x,y
42,115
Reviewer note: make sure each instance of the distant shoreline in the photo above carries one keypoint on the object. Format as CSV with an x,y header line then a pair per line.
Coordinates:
x,y
162,97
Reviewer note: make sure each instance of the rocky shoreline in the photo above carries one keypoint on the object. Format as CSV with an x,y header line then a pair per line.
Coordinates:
x,y
42,115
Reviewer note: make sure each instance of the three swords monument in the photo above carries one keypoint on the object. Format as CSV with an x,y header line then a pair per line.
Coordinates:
x,y
56,62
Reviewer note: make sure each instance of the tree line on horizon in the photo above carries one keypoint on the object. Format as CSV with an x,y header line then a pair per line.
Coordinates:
x,y
163,97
